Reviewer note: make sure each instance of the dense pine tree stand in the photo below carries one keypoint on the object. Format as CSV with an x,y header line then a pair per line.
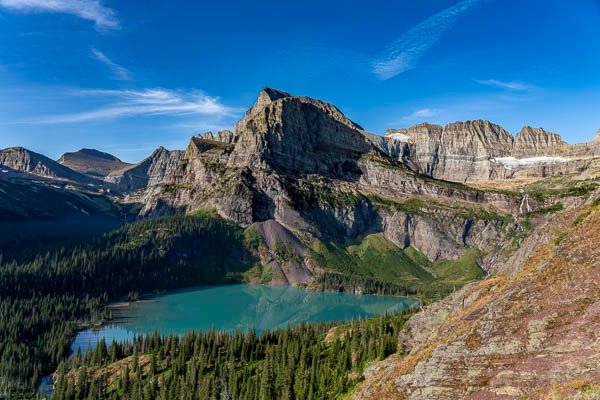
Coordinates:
x,y
309,361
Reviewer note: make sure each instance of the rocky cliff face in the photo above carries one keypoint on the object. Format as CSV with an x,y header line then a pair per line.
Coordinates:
x,y
26,161
285,137
300,165
535,142
224,136
457,152
297,135
480,151
92,162
147,173
532,331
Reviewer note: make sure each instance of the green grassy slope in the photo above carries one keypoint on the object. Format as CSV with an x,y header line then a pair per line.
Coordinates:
x,y
389,269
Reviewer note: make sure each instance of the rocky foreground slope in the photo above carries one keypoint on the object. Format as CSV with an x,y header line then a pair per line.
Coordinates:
x,y
530,331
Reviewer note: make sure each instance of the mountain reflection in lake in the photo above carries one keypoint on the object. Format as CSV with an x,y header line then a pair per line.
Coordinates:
x,y
234,307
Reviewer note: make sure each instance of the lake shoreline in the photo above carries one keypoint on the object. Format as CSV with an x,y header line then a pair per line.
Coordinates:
x,y
153,299
149,299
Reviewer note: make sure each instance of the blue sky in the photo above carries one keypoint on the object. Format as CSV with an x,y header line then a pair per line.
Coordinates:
x,y
127,76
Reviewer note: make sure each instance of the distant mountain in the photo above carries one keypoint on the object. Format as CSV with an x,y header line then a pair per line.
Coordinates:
x,y
26,161
480,151
146,173
92,162
40,198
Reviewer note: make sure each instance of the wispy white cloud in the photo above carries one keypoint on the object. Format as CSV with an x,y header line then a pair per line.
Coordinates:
x,y
148,102
419,114
118,71
92,10
508,85
404,53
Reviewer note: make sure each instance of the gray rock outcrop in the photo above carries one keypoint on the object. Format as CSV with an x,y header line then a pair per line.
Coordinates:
x,y
535,142
28,162
147,173
480,151
225,136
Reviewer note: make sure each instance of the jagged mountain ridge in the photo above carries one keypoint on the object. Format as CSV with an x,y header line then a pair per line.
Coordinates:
x,y
28,162
480,150
294,136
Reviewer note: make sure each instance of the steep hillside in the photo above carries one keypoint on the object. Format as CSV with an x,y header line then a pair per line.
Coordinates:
x,y
92,162
24,200
40,212
145,174
531,331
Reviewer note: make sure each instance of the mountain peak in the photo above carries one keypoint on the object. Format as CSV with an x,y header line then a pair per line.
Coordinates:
x,y
96,153
148,172
532,142
24,160
476,123
273,94
529,130
17,148
91,162
485,131
266,97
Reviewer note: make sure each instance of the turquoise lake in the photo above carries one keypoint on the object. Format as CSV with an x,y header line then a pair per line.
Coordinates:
x,y
235,307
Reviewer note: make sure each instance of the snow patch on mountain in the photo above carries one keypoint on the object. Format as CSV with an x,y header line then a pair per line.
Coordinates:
x,y
401,137
516,163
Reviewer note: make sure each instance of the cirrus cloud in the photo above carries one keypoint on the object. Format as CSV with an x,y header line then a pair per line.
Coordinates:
x,y
91,10
405,52
118,71
508,85
419,114
146,102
